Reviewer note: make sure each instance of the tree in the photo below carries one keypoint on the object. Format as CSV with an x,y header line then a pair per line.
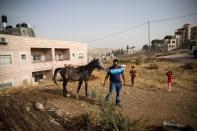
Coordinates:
x,y
156,43
145,47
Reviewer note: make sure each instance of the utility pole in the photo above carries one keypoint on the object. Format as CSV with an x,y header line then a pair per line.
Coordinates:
x,y
149,35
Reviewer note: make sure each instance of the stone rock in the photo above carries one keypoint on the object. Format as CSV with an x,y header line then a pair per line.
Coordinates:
x,y
126,92
27,108
59,112
68,113
39,106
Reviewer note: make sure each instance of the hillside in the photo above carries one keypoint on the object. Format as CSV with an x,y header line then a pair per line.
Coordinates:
x,y
96,52
148,102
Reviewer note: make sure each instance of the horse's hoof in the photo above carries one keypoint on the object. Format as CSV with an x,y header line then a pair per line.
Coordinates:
x,y
67,95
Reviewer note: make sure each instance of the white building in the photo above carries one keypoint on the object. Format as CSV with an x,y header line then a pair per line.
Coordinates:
x,y
130,50
169,43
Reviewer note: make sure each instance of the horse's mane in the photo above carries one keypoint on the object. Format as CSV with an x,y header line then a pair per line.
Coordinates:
x,y
84,67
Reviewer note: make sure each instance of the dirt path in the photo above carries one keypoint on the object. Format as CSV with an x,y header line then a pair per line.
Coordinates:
x,y
154,107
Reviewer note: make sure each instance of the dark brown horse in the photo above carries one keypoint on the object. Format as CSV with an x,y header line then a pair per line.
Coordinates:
x,y
82,73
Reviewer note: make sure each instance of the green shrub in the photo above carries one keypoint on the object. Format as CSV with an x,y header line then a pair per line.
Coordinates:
x,y
106,116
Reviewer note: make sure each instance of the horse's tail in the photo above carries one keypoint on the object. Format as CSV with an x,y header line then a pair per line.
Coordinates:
x,y
55,74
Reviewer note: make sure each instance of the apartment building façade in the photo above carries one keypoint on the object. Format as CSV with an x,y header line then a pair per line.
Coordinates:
x,y
27,60
183,38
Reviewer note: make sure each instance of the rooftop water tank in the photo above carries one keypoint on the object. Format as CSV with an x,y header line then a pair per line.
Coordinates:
x,y
18,25
4,19
9,27
24,25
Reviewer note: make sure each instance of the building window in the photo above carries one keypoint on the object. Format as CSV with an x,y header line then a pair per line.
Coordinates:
x,y
3,41
38,77
37,58
8,84
81,55
169,46
173,41
23,57
5,59
73,54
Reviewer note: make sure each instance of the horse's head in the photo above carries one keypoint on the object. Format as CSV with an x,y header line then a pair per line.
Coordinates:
x,y
98,64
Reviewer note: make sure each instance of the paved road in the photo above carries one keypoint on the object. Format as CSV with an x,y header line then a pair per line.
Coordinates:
x,y
183,58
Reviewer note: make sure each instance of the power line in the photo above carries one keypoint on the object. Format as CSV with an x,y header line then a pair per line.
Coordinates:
x,y
173,18
137,26
149,34
117,33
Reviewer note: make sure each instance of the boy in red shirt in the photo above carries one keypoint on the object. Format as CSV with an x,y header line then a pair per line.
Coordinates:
x,y
133,74
169,76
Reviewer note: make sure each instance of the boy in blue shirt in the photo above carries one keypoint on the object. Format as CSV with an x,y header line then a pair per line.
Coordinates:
x,y
114,72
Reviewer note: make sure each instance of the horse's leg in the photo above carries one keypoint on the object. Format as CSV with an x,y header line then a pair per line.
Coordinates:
x,y
86,88
65,92
79,86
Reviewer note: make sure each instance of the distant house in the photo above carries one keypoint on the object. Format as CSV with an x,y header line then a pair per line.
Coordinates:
x,y
186,36
194,33
109,55
193,36
27,60
169,43
130,50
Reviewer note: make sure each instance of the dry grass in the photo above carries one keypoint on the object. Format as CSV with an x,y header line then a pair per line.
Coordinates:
x,y
148,100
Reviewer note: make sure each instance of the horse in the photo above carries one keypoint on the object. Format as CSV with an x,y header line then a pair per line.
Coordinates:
x,y
81,73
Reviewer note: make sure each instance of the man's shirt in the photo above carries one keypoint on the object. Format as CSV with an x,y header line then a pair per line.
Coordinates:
x,y
115,72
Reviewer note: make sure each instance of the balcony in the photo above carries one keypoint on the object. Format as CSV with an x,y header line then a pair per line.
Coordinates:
x,y
41,54
62,54
41,59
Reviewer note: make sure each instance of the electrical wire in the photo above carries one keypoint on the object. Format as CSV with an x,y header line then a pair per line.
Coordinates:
x,y
117,33
173,18
138,26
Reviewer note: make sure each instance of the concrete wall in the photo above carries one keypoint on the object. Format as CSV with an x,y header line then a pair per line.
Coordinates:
x,y
19,31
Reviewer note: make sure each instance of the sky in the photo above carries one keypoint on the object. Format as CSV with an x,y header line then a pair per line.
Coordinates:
x,y
88,20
